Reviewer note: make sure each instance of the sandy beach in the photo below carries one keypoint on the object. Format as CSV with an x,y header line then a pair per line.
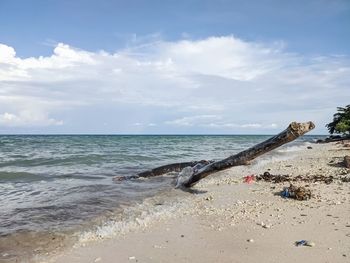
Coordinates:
x,y
227,220
174,131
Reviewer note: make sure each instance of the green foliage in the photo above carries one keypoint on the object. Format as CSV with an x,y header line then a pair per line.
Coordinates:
x,y
341,121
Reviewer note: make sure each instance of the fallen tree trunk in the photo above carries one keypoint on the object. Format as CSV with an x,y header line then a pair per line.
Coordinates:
x,y
201,169
293,131
168,168
174,167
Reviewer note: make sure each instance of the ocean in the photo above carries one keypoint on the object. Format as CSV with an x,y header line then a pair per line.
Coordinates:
x,y
54,187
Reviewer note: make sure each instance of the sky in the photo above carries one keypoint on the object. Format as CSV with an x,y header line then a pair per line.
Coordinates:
x,y
171,67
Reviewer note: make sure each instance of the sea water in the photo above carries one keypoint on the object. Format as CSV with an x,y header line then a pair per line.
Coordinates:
x,y
51,184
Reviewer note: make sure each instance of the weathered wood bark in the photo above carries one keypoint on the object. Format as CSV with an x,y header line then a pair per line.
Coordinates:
x,y
293,131
174,167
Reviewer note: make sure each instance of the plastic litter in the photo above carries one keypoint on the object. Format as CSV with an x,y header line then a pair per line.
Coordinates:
x,y
304,243
300,243
249,179
298,193
285,193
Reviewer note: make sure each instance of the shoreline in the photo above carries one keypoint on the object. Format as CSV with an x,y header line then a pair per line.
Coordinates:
x,y
230,221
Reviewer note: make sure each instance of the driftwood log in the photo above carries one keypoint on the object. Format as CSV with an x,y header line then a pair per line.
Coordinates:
x,y
293,131
174,167
192,172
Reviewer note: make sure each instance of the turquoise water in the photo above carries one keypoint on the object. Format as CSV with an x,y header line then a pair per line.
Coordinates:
x,y
59,182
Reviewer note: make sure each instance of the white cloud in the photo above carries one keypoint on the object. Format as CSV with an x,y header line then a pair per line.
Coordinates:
x,y
27,119
226,57
7,53
217,122
216,83
251,125
199,120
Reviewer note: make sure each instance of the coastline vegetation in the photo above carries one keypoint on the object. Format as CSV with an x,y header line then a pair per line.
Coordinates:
x,y
341,121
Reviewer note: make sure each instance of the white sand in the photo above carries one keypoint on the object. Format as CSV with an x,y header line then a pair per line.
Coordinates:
x,y
237,222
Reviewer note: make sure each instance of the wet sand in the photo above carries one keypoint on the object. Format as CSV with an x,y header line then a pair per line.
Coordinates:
x,y
227,220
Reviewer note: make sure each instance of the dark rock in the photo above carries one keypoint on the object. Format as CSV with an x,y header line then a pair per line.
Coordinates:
x,y
335,137
309,147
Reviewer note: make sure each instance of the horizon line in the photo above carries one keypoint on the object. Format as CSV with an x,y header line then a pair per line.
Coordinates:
x,y
145,134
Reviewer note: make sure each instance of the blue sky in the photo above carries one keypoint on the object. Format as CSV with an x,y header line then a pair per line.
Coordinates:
x,y
171,66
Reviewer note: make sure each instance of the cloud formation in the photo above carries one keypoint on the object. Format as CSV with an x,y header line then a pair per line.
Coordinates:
x,y
213,85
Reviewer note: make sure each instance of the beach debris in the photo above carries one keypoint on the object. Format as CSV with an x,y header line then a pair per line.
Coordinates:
x,y
249,179
250,240
97,259
263,225
267,177
304,243
309,147
132,258
300,243
347,161
209,198
310,244
298,193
